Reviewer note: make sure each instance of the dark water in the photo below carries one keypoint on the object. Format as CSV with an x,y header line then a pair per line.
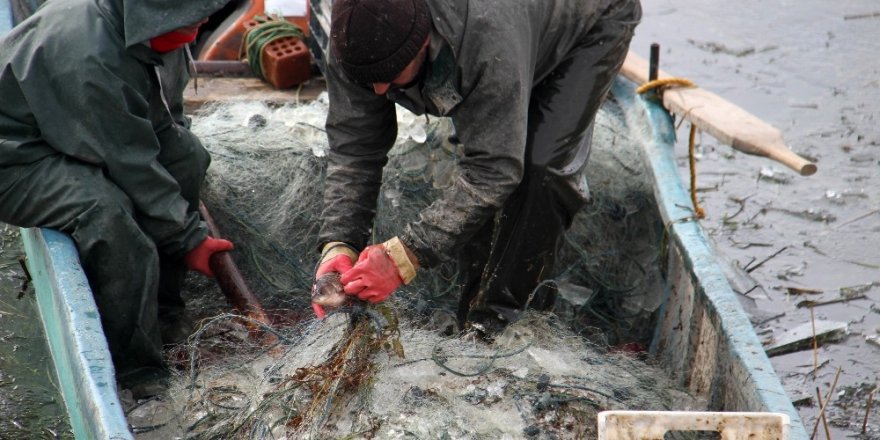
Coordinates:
x,y
30,406
810,68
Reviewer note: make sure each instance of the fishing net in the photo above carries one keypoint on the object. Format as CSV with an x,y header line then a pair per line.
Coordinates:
x,y
403,369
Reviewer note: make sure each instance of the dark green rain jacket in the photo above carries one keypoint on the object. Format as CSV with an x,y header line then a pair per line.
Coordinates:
x,y
500,50
95,95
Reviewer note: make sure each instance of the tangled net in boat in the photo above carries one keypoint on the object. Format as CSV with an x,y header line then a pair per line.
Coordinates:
x,y
402,369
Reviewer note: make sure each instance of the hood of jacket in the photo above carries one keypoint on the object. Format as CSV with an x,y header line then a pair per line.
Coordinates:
x,y
140,20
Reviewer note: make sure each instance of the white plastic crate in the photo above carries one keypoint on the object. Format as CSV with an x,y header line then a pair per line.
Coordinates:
x,y
653,425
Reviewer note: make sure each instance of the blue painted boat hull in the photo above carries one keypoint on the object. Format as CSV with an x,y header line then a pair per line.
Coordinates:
x,y
703,336
76,339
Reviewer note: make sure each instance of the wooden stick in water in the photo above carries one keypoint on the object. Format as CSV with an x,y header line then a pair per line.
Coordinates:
x,y
868,409
824,419
815,345
825,404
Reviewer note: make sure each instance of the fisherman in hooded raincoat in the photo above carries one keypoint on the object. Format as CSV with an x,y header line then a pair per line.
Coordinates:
x,y
522,81
94,143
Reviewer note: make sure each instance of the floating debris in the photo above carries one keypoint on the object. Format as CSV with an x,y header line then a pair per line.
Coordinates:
x,y
713,47
840,197
802,291
863,216
859,289
801,337
812,304
771,174
790,271
860,16
807,214
865,158
802,401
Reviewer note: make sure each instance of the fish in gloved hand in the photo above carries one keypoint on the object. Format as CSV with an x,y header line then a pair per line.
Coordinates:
x,y
327,291
336,258
379,271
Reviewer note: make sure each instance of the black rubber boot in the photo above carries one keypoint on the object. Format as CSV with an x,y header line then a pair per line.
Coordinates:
x,y
175,324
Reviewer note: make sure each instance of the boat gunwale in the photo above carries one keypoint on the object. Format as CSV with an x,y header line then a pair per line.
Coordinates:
x,y
83,365
711,285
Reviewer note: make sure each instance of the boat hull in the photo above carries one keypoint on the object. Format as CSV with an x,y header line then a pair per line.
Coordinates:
x,y
86,377
703,336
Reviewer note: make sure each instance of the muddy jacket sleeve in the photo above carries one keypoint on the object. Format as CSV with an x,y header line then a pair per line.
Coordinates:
x,y
491,121
492,124
361,128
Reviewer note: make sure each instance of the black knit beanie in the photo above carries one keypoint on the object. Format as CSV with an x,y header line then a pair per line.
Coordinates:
x,y
374,40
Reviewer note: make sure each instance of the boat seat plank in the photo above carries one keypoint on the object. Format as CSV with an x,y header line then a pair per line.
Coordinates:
x,y
223,90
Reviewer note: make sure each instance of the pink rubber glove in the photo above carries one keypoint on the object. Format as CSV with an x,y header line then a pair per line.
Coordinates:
x,y
341,263
374,277
199,257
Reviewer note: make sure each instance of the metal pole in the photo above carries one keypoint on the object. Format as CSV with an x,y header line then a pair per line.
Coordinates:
x,y
654,64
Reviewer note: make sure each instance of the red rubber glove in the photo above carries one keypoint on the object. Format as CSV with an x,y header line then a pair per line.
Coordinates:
x,y
374,277
341,263
198,258
380,270
319,311
336,257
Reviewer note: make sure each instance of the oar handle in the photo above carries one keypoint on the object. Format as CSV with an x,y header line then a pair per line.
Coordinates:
x,y
722,119
780,154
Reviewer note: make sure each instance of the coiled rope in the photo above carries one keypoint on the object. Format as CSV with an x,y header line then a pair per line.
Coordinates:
x,y
268,29
660,85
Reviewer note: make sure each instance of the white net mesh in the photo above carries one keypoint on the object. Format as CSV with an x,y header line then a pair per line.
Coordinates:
x,y
401,369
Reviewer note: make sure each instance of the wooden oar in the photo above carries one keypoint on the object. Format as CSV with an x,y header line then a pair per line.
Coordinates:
x,y
234,286
722,119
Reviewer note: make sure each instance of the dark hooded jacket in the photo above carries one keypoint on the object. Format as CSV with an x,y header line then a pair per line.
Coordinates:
x,y
489,57
101,96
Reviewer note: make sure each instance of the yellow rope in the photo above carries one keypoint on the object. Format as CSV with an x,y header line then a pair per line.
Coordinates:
x,y
665,83
698,210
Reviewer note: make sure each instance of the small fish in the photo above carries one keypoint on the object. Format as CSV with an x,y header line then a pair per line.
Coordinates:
x,y
327,291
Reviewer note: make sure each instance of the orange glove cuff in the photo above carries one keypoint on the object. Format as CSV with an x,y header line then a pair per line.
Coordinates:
x,y
334,248
403,259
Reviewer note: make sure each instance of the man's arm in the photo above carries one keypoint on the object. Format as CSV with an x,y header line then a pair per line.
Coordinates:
x,y
491,122
361,128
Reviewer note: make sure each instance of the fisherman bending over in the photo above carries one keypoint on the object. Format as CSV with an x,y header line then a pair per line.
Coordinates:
x,y
522,81
94,143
